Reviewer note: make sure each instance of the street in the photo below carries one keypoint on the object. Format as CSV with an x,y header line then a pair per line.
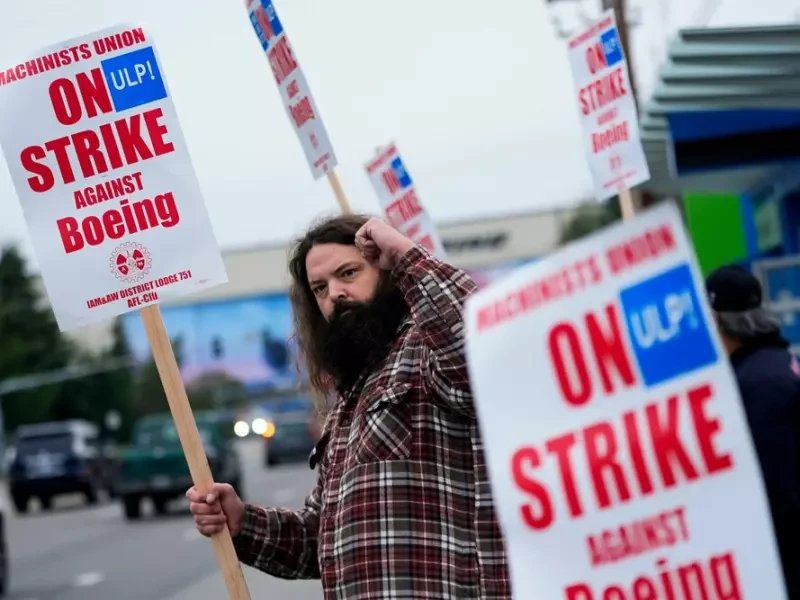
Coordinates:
x,y
81,553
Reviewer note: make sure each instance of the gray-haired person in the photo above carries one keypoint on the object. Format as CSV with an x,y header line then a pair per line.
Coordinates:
x,y
769,384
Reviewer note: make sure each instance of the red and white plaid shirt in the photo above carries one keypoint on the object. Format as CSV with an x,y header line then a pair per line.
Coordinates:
x,y
402,508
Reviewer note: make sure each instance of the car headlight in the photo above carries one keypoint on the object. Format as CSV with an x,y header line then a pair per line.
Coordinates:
x,y
241,429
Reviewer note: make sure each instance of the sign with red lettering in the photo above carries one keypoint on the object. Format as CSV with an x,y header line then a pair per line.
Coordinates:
x,y
104,177
620,458
608,109
398,198
295,92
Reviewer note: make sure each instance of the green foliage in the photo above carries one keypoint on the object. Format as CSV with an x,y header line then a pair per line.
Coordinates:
x,y
30,341
149,397
216,390
31,344
110,389
590,217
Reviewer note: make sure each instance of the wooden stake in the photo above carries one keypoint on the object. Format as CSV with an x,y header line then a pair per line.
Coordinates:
x,y
626,205
338,191
621,15
627,202
192,444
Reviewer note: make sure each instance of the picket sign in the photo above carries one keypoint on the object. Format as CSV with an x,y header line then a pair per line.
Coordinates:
x,y
296,95
398,198
619,454
609,116
107,188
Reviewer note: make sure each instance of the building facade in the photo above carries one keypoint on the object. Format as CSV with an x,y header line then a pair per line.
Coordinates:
x,y
242,329
718,133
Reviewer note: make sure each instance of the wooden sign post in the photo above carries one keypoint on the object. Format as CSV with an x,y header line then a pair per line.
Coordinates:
x,y
114,209
338,191
626,205
191,442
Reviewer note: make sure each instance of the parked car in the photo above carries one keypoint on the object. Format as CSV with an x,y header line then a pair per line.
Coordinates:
x,y
155,467
4,574
51,459
253,421
292,437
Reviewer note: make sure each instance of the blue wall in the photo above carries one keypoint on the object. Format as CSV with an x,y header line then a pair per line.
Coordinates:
x,y
252,336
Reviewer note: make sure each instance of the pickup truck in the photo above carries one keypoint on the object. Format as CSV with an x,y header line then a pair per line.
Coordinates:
x,y
154,467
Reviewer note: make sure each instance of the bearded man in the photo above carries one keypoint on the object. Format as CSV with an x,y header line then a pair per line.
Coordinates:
x,y
402,507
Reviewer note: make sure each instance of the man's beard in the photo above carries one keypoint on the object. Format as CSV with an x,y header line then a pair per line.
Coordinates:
x,y
359,335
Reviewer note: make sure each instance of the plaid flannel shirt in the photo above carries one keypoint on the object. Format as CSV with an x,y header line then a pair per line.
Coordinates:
x,y
402,508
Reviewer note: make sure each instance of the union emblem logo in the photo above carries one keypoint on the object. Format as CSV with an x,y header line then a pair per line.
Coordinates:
x,y
130,262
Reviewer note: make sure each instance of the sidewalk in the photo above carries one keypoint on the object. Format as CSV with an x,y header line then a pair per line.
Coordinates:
x,y
262,587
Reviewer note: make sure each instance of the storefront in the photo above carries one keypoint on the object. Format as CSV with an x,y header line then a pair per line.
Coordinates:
x,y
720,133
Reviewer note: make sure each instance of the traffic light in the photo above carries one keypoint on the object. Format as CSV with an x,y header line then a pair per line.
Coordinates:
x,y
276,354
217,349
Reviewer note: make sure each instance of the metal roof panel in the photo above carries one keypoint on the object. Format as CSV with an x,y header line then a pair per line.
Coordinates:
x,y
672,73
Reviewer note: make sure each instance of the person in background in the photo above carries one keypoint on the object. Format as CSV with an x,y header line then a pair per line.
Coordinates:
x,y
402,507
769,384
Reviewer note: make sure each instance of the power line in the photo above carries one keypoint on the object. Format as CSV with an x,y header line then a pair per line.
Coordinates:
x,y
37,380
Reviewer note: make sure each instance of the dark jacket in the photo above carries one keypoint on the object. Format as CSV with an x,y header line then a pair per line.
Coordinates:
x,y
770,390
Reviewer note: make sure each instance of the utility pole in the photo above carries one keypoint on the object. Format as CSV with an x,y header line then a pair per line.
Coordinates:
x,y
621,16
2,413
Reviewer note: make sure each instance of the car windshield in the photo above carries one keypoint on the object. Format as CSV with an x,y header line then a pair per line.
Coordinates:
x,y
164,434
291,429
51,442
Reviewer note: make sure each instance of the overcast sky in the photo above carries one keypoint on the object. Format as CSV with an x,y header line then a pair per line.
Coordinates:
x,y
477,94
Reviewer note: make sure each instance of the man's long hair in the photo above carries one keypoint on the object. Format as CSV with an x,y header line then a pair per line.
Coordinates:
x,y
308,319
757,325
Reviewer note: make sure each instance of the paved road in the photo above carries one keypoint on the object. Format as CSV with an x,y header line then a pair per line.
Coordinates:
x,y
75,553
